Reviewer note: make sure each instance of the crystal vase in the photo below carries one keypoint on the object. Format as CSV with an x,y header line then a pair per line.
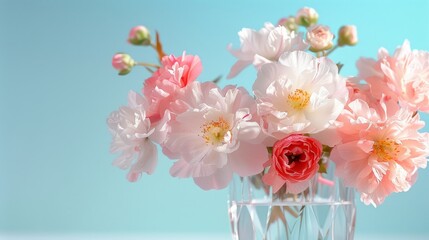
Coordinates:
x,y
326,210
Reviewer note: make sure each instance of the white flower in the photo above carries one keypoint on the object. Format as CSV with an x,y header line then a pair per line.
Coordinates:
x,y
133,136
214,135
300,93
263,46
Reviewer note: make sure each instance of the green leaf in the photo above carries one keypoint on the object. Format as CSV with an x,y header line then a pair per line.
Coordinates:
x,y
216,80
322,166
340,66
305,22
124,72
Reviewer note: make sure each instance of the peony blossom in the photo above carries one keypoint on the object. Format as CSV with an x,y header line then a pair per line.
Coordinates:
x,y
123,63
403,76
175,73
379,155
294,161
134,136
307,16
385,107
213,134
320,38
299,94
139,36
264,46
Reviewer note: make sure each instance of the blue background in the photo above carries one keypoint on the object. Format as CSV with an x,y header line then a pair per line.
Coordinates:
x,y
57,88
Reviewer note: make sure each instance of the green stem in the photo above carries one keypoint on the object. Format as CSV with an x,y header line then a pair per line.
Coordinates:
x,y
147,65
149,69
331,50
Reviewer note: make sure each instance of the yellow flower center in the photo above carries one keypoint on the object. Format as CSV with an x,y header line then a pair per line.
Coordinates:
x,y
386,150
299,99
216,132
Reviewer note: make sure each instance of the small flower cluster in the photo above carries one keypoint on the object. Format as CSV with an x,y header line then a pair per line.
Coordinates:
x,y
300,110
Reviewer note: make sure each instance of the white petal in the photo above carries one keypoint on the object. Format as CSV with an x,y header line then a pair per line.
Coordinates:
x,y
329,136
258,61
298,60
125,160
146,161
135,100
248,131
161,129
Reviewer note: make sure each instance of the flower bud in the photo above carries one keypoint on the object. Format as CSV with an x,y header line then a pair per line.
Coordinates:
x,y
139,36
123,63
320,38
347,35
289,23
307,17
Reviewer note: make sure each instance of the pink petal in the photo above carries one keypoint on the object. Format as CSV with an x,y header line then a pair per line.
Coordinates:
x,y
220,179
272,179
204,164
349,152
297,187
248,159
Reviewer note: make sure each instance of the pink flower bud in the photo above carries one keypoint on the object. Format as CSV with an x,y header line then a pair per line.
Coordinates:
x,y
347,35
307,17
139,36
289,23
320,38
123,63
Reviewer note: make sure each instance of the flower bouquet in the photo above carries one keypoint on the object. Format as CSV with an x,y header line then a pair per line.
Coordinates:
x,y
294,149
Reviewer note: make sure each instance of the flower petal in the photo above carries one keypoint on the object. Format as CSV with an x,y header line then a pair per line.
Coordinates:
x,y
220,179
297,187
146,161
248,159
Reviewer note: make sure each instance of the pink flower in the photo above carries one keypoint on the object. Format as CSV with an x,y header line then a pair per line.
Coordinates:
x,y
347,35
264,46
385,107
294,161
379,155
403,76
133,136
307,16
139,36
123,63
174,74
320,38
214,133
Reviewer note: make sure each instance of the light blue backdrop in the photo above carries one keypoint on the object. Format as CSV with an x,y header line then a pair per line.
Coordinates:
x,y
57,88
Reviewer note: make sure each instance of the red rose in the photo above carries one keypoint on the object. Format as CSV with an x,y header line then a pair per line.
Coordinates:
x,y
294,162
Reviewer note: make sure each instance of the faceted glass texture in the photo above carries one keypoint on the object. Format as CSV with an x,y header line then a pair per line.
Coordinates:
x,y
325,211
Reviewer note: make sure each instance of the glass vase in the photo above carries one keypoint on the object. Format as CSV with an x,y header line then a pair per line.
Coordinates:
x,y
326,210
